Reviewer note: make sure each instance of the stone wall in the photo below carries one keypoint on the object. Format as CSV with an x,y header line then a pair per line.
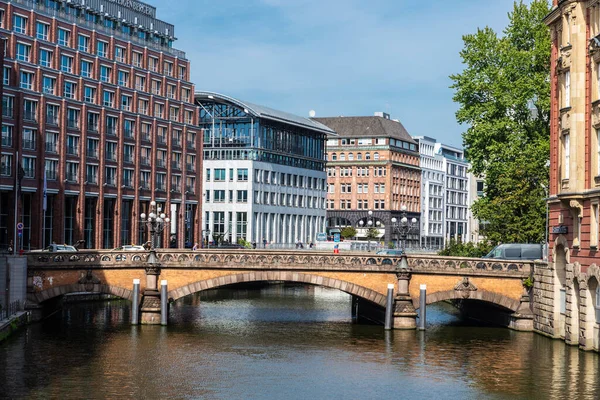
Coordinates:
x,y
14,270
543,299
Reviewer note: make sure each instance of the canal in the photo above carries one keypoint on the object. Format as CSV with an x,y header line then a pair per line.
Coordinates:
x,y
283,342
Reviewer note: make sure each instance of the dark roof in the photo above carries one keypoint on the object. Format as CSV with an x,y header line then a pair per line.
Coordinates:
x,y
366,127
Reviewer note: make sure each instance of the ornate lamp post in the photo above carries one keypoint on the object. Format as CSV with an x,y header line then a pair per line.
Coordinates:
x,y
369,224
156,223
403,227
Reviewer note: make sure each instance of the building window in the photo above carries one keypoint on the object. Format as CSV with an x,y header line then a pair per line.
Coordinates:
x,y
23,52
66,64
137,59
105,73
29,167
86,69
29,110
26,80
567,155
242,196
568,89
64,37
70,89
20,24
41,30
101,48
108,99
83,43
120,54
89,94
594,221
45,58
242,174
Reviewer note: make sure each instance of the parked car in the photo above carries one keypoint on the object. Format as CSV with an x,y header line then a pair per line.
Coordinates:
x,y
390,252
516,251
130,247
57,248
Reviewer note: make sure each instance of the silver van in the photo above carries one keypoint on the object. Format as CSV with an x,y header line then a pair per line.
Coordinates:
x,y
516,251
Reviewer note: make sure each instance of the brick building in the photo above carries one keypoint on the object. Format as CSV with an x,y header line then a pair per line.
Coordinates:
x,y
96,99
372,165
574,193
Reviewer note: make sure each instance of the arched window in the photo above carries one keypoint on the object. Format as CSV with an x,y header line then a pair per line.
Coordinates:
x,y
342,157
367,156
375,156
350,156
359,156
333,156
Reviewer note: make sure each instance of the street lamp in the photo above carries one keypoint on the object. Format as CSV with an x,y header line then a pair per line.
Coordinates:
x,y
206,234
369,224
403,227
156,222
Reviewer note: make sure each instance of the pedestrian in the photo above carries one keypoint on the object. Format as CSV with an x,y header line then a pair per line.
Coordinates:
x,y
264,243
254,245
195,247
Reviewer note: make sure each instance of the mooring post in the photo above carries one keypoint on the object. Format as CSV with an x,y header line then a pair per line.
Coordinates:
x,y
163,303
389,307
422,307
135,303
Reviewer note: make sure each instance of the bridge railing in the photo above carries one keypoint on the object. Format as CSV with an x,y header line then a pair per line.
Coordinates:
x,y
284,259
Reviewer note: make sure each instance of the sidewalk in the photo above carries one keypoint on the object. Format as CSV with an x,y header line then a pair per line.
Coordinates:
x,y
12,324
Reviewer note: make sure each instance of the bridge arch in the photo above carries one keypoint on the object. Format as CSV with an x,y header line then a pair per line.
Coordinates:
x,y
82,288
287,276
481,295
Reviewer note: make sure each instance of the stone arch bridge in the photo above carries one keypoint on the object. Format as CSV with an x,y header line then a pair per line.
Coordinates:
x,y
363,275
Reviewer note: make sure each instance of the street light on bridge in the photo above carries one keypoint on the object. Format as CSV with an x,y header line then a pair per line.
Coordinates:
x,y
403,227
369,223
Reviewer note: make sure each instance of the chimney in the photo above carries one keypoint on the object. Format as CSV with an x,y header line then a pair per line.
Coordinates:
x,y
382,114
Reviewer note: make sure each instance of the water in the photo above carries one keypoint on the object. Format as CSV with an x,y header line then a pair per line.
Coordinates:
x,y
283,343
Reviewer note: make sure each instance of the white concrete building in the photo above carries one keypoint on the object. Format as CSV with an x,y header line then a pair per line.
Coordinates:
x,y
264,173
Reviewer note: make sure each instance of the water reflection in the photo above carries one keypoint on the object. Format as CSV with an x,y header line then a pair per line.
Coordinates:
x,y
283,342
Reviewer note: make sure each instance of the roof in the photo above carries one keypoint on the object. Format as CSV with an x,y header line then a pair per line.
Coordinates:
x,y
259,111
365,127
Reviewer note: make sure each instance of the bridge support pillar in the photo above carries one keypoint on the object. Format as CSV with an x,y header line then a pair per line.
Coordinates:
x,y
405,315
522,319
150,309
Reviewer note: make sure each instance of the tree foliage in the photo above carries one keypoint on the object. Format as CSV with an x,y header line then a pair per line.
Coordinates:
x,y
455,248
372,233
504,98
348,232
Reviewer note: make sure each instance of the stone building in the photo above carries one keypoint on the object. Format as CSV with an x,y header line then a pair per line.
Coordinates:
x,y
98,104
372,165
568,289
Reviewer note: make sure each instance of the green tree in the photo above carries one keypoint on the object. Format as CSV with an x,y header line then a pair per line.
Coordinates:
x,y
504,98
348,232
372,233
469,249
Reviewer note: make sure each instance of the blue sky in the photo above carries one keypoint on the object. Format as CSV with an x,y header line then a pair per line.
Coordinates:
x,y
337,57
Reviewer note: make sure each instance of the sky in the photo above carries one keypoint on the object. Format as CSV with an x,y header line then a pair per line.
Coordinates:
x,y
336,57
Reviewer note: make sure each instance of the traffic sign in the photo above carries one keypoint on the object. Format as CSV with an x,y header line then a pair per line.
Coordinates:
x,y
336,237
20,226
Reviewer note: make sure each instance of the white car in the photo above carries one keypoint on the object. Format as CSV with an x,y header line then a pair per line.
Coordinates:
x,y
130,247
58,248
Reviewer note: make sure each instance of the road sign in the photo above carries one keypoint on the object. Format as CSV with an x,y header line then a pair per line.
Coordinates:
x,y
20,226
336,237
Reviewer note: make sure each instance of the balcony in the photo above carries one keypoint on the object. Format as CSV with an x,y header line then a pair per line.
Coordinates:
x,y
176,142
161,186
110,181
127,183
28,144
128,158
111,130
161,139
92,127
50,175
175,188
160,163
145,160
175,165
191,144
144,185
73,150
6,141
146,137
73,123
128,133
111,156
191,167
7,112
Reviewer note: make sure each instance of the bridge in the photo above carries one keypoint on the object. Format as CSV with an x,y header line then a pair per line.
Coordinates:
x,y
365,276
